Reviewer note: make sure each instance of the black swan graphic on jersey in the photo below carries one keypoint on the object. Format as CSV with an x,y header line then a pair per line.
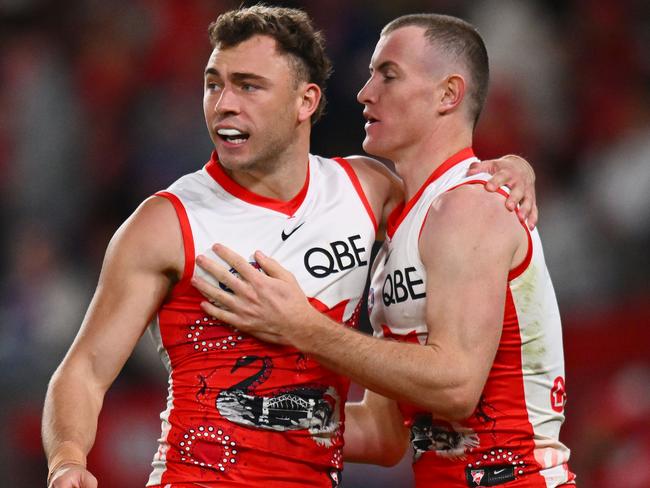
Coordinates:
x,y
428,434
291,409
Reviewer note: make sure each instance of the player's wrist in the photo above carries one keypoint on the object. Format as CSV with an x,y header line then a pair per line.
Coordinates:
x,y
67,455
306,336
522,162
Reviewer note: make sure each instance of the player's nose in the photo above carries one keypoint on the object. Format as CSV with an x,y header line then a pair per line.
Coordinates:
x,y
227,103
367,93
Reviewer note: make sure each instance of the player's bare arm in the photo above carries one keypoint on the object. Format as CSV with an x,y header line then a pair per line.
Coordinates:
x,y
138,270
374,431
476,243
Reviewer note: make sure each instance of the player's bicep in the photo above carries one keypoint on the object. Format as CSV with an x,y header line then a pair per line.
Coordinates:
x,y
467,245
140,263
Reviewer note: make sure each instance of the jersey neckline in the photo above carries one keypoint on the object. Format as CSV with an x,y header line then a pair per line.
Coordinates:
x,y
288,207
400,212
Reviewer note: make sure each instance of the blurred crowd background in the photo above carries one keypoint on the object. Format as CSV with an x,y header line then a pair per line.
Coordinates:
x,y
100,106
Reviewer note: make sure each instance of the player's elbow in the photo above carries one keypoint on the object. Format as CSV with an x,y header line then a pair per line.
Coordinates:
x,y
455,404
461,408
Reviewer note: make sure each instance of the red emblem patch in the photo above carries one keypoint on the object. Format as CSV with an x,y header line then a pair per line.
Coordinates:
x,y
558,395
477,476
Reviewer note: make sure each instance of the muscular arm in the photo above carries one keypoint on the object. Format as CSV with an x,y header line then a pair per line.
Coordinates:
x,y
468,245
374,431
138,270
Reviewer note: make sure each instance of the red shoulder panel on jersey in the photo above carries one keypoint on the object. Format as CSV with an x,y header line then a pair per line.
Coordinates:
x,y
357,186
188,240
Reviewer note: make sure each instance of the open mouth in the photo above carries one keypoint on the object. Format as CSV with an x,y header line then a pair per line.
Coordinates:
x,y
370,119
233,136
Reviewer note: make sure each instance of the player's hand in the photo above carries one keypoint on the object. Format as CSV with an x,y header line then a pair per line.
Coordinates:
x,y
72,476
516,173
267,305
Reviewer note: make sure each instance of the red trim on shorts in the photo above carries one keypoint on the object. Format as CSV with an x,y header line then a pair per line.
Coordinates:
x,y
188,241
396,218
289,207
357,186
521,267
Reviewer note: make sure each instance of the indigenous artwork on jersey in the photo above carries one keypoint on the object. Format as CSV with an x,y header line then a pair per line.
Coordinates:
x,y
312,408
442,437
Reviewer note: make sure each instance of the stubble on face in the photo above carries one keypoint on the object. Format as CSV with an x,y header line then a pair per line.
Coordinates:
x,y
268,111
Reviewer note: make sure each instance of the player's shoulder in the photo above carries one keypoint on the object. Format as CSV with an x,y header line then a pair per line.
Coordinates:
x,y
376,176
365,165
468,208
151,235
467,198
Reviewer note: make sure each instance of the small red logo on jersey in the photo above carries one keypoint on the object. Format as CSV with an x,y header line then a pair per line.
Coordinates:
x,y
477,476
558,395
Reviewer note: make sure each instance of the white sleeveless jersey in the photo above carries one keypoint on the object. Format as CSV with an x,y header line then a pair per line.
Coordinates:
x,y
242,412
513,433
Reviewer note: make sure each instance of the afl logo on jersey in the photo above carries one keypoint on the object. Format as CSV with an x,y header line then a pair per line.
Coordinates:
x,y
371,300
321,262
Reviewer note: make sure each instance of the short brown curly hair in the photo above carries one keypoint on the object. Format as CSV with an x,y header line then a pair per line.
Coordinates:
x,y
293,32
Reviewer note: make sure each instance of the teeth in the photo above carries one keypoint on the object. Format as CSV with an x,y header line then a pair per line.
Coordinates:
x,y
229,132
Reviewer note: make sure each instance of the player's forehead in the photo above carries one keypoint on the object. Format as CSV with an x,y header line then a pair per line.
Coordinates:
x,y
405,47
258,54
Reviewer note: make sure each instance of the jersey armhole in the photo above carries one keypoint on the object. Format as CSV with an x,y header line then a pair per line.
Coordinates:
x,y
188,241
357,186
521,267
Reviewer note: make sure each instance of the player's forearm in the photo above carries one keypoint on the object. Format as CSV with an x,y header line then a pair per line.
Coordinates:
x,y
371,438
361,444
70,414
417,374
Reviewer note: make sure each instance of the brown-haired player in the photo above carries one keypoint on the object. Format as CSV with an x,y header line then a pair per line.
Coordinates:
x,y
240,412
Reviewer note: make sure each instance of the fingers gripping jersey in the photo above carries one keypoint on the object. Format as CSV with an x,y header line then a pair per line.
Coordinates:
x,y
241,412
512,436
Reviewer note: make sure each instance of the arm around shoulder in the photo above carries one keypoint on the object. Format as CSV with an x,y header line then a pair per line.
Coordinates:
x,y
141,261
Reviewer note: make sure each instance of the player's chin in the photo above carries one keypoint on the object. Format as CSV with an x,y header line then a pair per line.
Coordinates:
x,y
233,162
372,146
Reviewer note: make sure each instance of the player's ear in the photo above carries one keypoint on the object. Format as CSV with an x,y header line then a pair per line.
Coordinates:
x,y
309,100
452,93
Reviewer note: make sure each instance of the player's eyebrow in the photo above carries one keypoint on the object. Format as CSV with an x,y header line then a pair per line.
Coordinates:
x,y
386,65
247,76
236,77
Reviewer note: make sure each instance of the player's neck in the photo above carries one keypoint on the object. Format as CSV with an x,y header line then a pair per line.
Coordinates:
x,y
417,162
281,177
